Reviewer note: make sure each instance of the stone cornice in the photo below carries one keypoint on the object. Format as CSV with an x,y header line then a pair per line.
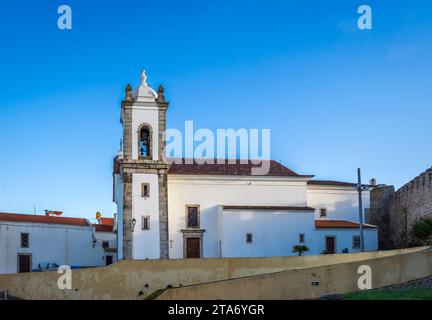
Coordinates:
x,y
143,164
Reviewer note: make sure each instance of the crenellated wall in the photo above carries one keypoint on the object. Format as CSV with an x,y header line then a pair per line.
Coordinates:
x,y
395,212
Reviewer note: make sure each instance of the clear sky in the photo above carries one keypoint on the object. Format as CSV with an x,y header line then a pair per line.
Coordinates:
x,y
335,97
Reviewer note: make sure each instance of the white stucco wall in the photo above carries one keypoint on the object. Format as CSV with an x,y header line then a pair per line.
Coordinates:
x,y
344,239
276,232
61,244
145,243
340,202
210,191
111,238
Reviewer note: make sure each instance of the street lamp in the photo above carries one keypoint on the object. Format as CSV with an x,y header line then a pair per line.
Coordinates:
x,y
133,224
360,188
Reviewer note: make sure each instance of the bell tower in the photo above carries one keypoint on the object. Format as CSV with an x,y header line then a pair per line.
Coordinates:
x,y
141,181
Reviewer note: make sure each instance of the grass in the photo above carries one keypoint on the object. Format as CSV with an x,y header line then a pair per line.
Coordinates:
x,y
391,294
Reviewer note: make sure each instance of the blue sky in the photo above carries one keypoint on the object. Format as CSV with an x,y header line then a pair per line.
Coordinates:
x,y
335,98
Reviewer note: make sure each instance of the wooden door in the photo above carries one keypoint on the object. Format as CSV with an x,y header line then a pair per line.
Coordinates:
x,y
193,248
24,263
109,260
330,245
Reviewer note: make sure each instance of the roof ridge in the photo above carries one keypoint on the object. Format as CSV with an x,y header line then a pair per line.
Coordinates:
x,y
34,218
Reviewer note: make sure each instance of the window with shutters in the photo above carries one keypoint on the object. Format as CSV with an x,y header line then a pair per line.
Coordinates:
x,y
145,223
356,241
145,190
24,240
249,238
192,217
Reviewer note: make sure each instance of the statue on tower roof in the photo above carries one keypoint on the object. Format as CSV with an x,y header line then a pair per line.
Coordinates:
x,y
144,92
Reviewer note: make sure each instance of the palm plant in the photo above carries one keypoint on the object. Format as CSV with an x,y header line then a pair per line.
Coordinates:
x,y
300,249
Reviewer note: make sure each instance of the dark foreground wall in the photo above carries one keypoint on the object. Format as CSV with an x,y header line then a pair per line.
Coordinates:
x,y
395,212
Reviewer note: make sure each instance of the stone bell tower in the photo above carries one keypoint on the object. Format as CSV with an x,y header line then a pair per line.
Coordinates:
x,y
141,180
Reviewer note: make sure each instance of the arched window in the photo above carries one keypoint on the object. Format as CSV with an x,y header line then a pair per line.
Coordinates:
x,y
144,144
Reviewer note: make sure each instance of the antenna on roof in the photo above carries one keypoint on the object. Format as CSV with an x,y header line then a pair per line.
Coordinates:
x,y
34,209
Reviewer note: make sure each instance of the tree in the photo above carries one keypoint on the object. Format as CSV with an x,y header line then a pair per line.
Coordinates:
x,y
422,230
300,249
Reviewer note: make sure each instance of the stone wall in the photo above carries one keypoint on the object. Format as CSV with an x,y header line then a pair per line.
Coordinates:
x,y
297,284
395,212
137,279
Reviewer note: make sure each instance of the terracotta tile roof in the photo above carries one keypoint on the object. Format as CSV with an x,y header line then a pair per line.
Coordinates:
x,y
107,221
228,169
269,208
105,225
103,228
14,217
331,183
330,224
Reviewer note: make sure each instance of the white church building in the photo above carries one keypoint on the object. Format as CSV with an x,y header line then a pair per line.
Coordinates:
x,y
184,209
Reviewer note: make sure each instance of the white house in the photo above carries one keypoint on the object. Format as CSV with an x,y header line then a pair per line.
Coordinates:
x,y
28,242
106,236
182,209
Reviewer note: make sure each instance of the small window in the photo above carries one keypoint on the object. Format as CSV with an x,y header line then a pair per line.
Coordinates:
x,y
356,242
302,238
323,212
192,216
248,237
24,240
105,244
145,223
145,190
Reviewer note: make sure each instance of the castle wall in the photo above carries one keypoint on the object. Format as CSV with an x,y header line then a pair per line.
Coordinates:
x,y
395,212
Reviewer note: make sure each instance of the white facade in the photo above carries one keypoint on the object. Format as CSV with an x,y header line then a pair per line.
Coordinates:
x,y
145,207
271,211
274,231
108,241
209,192
339,202
71,245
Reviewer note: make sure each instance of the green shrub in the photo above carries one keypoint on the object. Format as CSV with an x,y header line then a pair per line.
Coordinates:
x,y
422,229
300,249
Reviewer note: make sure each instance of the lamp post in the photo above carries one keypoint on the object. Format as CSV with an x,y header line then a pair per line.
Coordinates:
x,y
360,188
133,224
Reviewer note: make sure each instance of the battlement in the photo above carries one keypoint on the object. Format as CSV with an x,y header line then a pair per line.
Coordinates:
x,y
422,181
395,212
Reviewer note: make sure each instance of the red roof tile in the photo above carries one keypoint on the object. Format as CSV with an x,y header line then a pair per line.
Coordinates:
x,y
14,217
107,221
269,208
103,228
330,224
228,169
